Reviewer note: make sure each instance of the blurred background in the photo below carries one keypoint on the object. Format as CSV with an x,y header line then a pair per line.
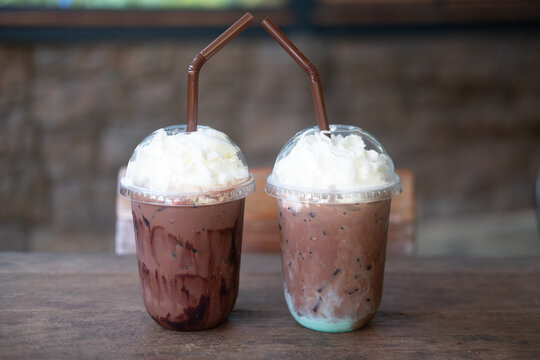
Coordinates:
x,y
451,88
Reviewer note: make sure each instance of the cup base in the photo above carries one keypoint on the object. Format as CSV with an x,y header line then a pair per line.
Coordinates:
x,y
323,324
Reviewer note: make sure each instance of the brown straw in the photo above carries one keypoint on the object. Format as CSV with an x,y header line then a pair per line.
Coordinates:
x,y
316,88
201,58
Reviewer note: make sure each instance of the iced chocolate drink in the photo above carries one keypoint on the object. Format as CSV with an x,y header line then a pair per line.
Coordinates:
x,y
187,194
189,260
333,190
333,258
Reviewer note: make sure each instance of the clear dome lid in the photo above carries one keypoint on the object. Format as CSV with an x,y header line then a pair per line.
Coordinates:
x,y
314,191
175,168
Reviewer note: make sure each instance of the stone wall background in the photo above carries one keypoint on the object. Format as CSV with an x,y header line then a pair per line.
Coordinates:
x,y
461,109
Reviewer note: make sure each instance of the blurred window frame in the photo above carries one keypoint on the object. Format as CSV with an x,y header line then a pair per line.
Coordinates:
x,y
322,16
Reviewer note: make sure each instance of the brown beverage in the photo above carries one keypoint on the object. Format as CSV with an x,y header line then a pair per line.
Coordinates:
x,y
333,262
187,186
189,262
188,236
333,191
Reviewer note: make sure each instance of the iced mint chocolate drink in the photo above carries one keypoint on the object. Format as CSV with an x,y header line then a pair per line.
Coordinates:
x,y
187,193
333,190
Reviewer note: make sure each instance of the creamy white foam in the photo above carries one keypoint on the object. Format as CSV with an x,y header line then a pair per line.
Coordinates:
x,y
186,162
340,162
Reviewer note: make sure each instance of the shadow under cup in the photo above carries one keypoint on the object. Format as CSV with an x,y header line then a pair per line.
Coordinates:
x,y
188,253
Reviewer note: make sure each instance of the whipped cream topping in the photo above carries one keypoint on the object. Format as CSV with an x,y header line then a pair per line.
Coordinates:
x,y
340,162
186,162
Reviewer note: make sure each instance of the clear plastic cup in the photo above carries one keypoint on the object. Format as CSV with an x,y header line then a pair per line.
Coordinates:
x,y
188,249
333,245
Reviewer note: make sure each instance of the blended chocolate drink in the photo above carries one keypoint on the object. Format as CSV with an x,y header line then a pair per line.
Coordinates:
x,y
334,191
187,194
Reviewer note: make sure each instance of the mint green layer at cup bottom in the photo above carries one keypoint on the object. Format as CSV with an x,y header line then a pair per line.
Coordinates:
x,y
319,324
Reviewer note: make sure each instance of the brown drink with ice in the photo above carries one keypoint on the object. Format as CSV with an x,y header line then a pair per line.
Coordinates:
x,y
333,190
187,193
187,186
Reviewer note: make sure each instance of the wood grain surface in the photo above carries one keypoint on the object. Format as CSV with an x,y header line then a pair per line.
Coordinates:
x,y
89,306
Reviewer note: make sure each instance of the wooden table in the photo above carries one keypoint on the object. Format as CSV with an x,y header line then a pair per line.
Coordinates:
x,y
89,306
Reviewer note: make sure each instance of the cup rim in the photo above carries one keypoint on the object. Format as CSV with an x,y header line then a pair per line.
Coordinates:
x,y
330,196
188,199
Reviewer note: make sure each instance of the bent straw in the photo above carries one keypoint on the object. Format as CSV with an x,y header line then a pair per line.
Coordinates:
x,y
201,58
316,88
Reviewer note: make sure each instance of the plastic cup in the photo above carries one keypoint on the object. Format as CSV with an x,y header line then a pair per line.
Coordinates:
x,y
188,250
333,245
